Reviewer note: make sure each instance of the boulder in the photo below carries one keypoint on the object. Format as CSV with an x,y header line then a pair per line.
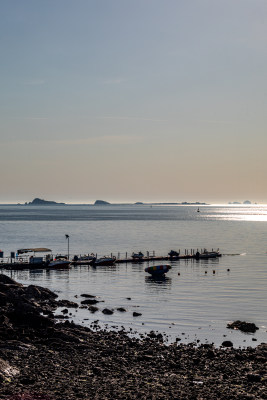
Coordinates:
x,y
90,301
227,343
243,326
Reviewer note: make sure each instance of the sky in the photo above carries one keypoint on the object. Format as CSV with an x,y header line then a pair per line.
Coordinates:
x,y
126,101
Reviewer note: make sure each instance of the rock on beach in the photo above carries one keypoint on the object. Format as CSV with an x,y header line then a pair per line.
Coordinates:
x,y
44,360
248,327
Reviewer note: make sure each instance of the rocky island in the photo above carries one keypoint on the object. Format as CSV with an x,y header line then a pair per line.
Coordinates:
x,y
44,359
101,203
41,202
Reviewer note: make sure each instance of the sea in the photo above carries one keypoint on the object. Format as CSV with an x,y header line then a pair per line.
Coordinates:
x,y
196,300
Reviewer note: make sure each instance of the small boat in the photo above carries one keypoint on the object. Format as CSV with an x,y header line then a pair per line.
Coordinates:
x,y
86,259
208,254
137,256
60,262
173,254
158,270
103,261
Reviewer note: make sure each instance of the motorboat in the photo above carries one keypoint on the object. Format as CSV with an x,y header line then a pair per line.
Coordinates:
x,y
85,259
103,261
137,256
173,254
158,270
59,263
208,254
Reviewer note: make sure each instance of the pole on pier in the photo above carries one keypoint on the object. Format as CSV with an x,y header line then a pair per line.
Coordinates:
x,y
68,239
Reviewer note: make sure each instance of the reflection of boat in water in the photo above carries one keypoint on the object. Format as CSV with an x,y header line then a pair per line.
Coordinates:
x,y
103,261
158,280
158,270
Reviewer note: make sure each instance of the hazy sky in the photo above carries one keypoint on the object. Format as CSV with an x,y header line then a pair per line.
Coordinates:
x,y
141,100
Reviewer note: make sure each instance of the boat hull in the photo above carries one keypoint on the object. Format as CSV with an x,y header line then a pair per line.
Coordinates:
x,y
59,265
158,270
103,261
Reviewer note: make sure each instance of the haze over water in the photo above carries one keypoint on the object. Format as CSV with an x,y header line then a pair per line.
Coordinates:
x,y
197,299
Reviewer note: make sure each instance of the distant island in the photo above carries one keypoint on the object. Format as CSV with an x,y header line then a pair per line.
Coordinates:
x,y
41,202
185,203
101,203
237,202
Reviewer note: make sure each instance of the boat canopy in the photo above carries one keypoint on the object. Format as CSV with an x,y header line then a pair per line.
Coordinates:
x,y
34,250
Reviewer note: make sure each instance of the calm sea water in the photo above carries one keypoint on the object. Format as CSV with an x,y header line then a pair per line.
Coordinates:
x,y
195,301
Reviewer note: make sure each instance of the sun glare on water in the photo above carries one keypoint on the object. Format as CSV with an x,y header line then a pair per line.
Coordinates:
x,y
240,213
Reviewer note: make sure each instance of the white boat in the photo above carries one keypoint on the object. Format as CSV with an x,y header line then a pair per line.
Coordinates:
x,y
59,263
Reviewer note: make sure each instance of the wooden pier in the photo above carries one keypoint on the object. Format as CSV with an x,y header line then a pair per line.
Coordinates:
x,y
150,257
153,258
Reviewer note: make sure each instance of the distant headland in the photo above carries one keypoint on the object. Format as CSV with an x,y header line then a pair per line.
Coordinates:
x,y
41,202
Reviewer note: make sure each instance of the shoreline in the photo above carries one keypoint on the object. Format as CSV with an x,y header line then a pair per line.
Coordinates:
x,y
44,360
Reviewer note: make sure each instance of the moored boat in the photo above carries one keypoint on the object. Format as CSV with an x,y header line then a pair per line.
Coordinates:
x,y
173,254
208,254
59,263
103,261
85,259
137,256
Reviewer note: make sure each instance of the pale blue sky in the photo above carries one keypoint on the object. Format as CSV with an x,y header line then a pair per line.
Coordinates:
x,y
133,100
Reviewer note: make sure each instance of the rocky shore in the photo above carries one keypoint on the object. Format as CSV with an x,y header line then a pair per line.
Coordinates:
x,y
43,359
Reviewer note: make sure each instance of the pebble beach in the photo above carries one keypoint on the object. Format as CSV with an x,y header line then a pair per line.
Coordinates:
x,y
43,359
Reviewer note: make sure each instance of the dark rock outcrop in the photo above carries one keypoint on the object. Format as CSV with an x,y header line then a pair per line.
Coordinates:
x,y
248,327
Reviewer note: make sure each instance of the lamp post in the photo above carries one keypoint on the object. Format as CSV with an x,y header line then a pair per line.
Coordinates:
x,y
67,237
